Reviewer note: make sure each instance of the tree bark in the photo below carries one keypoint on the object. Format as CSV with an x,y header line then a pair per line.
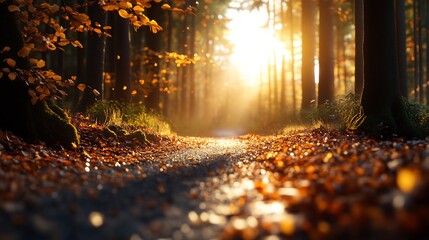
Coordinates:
x,y
154,43
381,102
359,47
95,56
326,53
308,49
122,42
401,47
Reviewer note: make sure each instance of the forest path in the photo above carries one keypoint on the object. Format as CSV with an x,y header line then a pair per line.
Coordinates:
x,y
317,184
186,194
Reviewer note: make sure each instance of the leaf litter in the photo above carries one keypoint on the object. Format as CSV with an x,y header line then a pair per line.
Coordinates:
x,y
315,184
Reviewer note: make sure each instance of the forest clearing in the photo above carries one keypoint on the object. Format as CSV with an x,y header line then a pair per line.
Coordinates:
x,y
229,119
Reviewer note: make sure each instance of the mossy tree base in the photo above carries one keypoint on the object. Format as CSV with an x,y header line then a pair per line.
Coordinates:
x,y
43,121
393,121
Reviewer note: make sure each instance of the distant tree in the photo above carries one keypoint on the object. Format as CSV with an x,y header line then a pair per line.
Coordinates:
x,y
382,105
122,56
308,50
95,56
326,52
292,52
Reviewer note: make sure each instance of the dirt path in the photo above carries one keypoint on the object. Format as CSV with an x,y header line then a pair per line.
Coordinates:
x,y
173,198
316,184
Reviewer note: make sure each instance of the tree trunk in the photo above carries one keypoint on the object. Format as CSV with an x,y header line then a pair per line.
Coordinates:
x,y
359,47
308,40
192,89
401,47
381,102
122,42
292,53
420,43
154,43
183,45
95,56
416,52
39,122
326,53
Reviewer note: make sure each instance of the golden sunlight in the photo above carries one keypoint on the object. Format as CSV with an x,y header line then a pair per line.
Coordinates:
x,y
254,45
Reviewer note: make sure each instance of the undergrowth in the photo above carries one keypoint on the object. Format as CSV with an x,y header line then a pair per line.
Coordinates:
x,y
342,113
128,116
337,114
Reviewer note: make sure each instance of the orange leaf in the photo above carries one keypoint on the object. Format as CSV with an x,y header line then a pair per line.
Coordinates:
x,y
81,87
138,9
6,49
12,75
31,79
123,13
166,6
10,62
13,8
76,43
41,63
24,51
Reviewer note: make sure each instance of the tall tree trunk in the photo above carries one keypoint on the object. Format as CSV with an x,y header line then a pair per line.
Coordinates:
x,y
283,68
416,52
122,42
420,43
326,53
359,47
427,53
401,47
292,53
383,109
95,56
154,43
184,75
169,65
308,49
192,89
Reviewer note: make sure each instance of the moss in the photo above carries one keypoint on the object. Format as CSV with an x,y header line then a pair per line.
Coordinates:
x,y
51,128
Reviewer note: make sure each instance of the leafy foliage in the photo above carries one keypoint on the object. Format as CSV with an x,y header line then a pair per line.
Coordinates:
x,y
419,115
59,22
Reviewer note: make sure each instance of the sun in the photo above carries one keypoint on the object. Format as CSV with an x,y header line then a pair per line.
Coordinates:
x,y
253,44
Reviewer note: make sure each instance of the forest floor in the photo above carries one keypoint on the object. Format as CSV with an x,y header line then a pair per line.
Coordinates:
x,y
313,184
